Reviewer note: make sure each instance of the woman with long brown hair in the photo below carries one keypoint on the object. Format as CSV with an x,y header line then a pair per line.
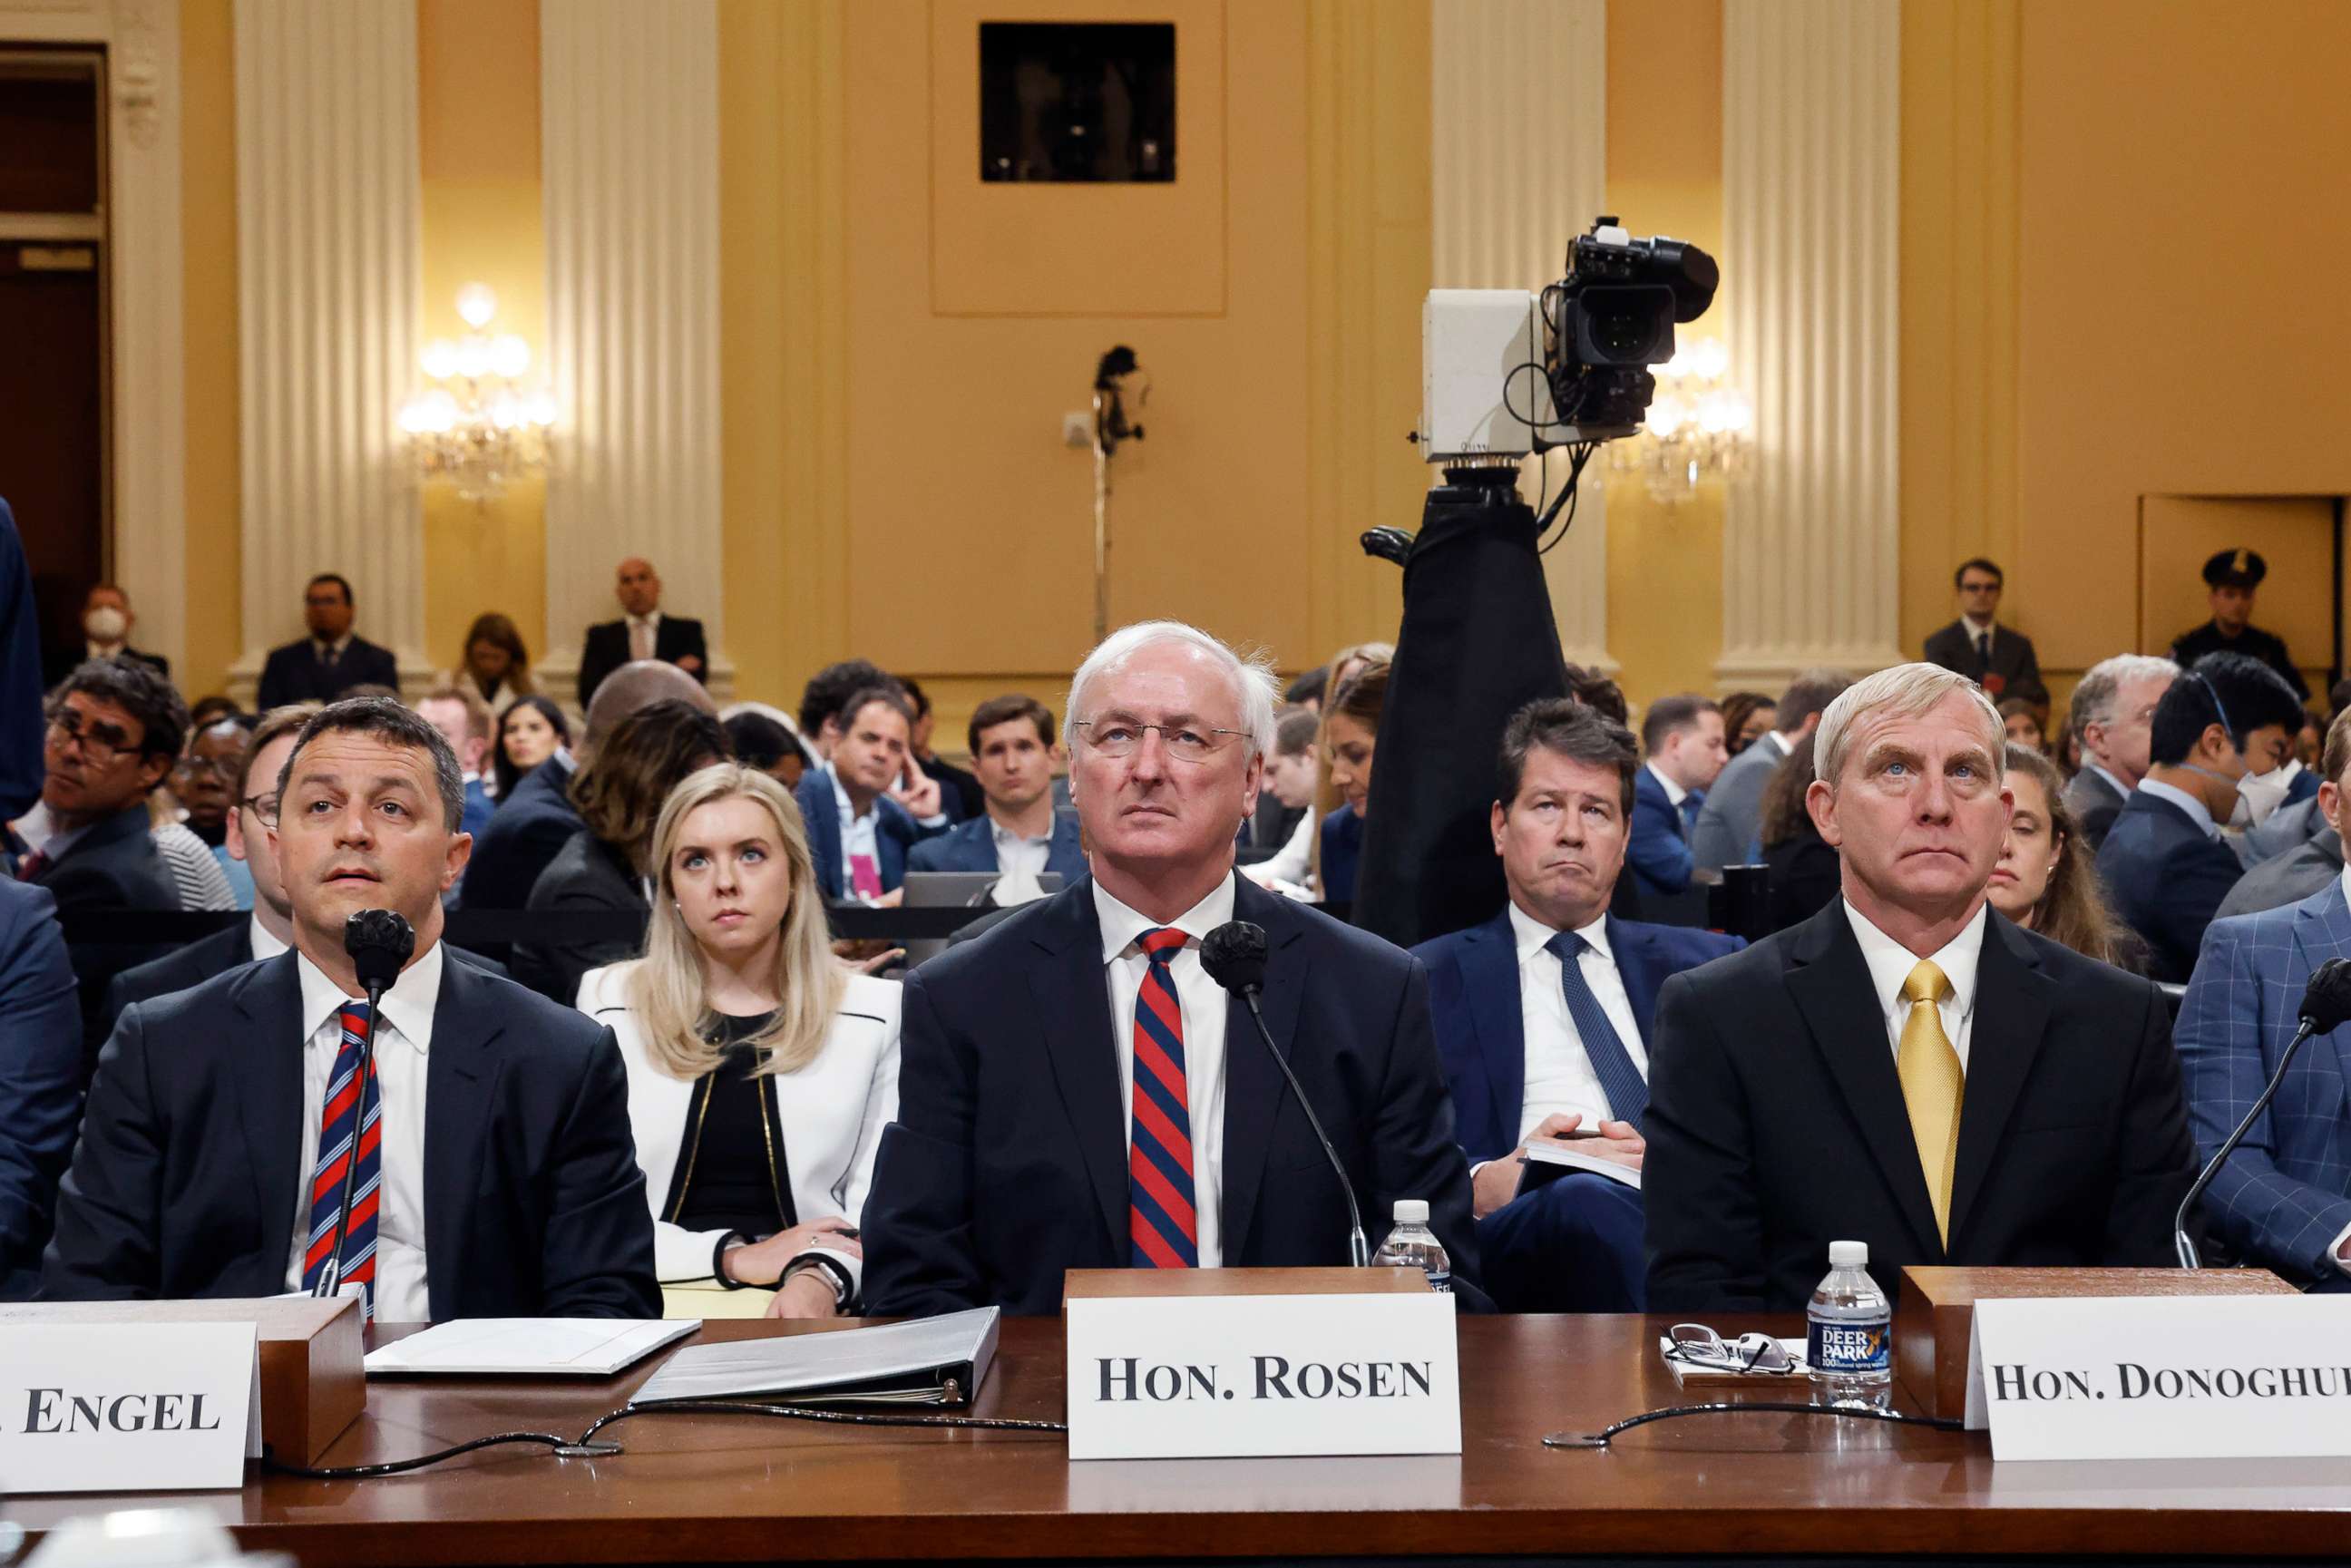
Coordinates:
x,y
494,663
2046,880
761,1072
1346,665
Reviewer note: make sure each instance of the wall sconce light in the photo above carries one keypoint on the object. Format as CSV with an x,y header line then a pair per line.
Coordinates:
x,y
478,424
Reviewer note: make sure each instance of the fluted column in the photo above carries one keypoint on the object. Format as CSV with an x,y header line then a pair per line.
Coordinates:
x,y
1811,219
328,271
1519,118
630,131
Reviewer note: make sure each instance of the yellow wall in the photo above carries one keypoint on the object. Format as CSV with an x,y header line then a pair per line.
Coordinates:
x,y
477,103
1664,176
214,613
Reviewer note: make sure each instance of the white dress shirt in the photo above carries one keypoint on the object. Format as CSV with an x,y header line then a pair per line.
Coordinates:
x,y
1777,742
403,1037
644,631
2197,812
1203,1004
1559,1076
1890,964
266,945
1019,861
1674,792
858,834
1978,631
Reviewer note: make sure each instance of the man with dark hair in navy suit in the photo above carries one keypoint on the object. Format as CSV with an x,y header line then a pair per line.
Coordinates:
x,y
330,660
1544,1016
1683,735
1017,833
870,803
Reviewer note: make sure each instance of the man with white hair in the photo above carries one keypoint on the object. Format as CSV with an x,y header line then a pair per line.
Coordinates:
x,y
2114,708
1079,1093
1907,1068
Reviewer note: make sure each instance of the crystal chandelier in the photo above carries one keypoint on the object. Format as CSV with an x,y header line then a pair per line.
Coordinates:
x,y
1697,427
478,425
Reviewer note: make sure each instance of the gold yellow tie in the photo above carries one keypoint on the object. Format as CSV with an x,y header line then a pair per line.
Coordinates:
x,y
1931,1085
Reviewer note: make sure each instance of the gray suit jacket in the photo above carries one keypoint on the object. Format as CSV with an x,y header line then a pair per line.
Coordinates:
x,y
2290,878
1733,816
2094,803
2288,829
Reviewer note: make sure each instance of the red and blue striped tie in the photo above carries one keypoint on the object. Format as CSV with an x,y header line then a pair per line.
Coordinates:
x,y
338,1121
1163,1231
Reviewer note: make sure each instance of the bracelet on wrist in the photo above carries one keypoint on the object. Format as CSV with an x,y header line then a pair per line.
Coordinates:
x,y
718,1259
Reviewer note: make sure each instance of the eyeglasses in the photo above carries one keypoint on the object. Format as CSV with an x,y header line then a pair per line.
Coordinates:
x,y
102,743
1695,1344
263,807
221,767
1121,737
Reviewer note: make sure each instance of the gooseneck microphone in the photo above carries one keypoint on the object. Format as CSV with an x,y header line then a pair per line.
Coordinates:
x,y
380,943
2325,1006
1233,956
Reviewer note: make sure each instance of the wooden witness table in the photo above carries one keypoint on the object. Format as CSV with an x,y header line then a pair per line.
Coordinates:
x,y
711,1488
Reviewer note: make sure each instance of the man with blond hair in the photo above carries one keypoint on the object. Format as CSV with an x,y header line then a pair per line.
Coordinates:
x,y
1907,1068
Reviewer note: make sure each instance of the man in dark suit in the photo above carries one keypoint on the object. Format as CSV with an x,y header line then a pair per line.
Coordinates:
x,y
1016,833
1078,1094
2283,1201
869,804
531,828
115,729
105,622
1998,658
2231,575
1542,1018
2114,709
2165,863
642,632
330,661
40,1078
1683,735
1907,1068
492,1134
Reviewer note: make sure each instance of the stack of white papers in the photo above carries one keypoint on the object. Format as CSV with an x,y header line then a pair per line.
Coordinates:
x,y
528,1347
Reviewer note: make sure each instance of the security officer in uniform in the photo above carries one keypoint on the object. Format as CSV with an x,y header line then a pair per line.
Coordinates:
x,y
2232,575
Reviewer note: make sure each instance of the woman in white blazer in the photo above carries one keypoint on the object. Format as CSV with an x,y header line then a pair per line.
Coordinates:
x,y
761,1072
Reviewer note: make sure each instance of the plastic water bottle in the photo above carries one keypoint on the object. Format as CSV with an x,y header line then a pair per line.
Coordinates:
x,y
1850,1348
1413,1244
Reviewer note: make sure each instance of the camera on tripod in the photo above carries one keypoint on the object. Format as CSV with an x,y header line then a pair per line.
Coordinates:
x,y
1507,373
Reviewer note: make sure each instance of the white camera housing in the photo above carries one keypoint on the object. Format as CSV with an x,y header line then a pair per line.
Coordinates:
x,y
1481,356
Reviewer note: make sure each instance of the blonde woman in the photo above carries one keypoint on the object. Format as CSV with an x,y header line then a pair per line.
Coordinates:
x,y
762,1072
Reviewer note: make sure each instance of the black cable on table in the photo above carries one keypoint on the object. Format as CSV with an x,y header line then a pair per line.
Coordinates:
x,y
396,1467
1858,1413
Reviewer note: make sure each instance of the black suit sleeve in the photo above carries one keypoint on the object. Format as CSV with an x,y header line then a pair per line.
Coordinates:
x,y
109,1204
597,1257
1704,1224
2028,683
554,970
1414,1151
594,665
693,648
920,1257
276,690
2156,1160
2193,885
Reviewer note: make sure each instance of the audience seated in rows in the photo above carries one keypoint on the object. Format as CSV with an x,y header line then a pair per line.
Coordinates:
x,y
2113,711
1017,833
761,1074
863,813
1543,1017
1683,735
531,730
1873,1016
331,661
493,665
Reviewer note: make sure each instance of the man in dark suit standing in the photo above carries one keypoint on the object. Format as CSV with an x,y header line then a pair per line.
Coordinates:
x,y
1907,1068
2114,709
492,1132
642,632
1683,735
1016,833
1998,658
869,804
330,661
1543,1018
2165,863
40,1078
2231,576
1077,1093
105,622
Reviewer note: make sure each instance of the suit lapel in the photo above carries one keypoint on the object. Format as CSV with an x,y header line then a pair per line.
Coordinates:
x,y
1642,968
461,1077
1073,997
2012,1016
1832,990
2322,930
267,1065
1489,975
1254,1086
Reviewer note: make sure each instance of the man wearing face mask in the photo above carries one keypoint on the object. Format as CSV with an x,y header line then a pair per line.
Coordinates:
x,y
105,622
2163,860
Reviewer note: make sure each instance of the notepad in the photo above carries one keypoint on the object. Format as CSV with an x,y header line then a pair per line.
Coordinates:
x,y
1546,1162
929,1361
526,1347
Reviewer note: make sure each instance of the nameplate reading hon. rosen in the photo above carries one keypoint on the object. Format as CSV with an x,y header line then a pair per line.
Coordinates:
x,y
128,1406
2163,1377
1163,1377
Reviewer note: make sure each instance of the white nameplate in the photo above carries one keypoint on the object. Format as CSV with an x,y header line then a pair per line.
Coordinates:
x,y
128,1406
1161,1378
2163,1377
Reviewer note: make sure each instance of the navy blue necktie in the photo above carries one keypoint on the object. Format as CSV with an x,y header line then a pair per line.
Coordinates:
x,y
1691,803
1628,1091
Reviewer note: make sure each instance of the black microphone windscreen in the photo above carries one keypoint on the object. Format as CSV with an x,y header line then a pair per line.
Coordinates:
x,y
379,942
2326,1002
1233,956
